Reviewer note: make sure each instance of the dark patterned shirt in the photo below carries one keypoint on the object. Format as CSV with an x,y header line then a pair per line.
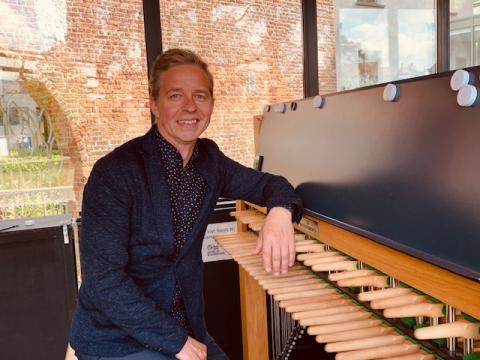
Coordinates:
x,y
187,188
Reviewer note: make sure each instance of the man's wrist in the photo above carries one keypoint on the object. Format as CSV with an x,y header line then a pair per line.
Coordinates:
x,y
290,207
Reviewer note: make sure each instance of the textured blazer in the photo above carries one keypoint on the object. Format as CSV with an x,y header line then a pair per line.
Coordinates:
x,y
127,247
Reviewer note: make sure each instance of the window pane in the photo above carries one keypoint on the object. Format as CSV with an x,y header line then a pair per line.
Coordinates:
x,y
464,33
375,41
254,50
73,85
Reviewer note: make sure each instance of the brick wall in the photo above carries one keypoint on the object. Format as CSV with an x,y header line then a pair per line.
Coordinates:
x,y
254,49
327,81
85,62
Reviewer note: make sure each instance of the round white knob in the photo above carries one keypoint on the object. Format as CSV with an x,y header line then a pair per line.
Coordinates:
x,y
390,92
266,108
317,101
459,79
467,95
280,108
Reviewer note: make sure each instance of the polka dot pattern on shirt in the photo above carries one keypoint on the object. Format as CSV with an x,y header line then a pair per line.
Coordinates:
x,y
187,189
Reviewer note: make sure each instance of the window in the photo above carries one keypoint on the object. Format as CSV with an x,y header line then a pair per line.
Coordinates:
x,y
464,33
375,42
73,86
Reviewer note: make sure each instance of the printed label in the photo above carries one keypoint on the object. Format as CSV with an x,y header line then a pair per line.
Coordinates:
x,y
211,251
308,225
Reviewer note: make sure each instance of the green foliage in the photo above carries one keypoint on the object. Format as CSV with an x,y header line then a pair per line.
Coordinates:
x,y
31,184
18,171
473,356
32,211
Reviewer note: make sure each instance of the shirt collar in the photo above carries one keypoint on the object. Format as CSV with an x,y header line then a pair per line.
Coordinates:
x,y
170,153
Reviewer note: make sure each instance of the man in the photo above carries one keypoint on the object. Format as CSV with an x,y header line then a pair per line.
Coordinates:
x,y
144,215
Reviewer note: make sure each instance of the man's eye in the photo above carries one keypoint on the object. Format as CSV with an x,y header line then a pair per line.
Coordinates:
x,y
175,96
201,97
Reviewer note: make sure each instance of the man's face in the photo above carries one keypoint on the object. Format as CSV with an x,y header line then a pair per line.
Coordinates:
x,y
184,104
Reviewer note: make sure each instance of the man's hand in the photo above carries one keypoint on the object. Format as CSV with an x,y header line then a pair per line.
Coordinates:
x,y
193,350
276,241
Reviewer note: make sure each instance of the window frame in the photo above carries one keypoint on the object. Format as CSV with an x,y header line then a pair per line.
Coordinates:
x,y
153,39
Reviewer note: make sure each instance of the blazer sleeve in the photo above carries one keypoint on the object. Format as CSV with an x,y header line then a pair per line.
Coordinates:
x,y
104,248
264,189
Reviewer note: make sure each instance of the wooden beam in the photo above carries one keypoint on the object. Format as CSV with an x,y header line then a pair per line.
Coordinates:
x,y
254,318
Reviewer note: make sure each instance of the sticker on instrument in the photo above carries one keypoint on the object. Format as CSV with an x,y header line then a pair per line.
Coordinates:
x,y
211,250
308,225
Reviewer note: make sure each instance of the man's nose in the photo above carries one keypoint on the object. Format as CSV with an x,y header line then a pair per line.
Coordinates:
x,y
190,104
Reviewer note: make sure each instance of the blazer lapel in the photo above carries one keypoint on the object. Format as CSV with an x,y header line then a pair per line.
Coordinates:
x,y
158,189
208,169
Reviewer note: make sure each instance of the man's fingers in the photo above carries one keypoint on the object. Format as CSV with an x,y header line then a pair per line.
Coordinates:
x,y
203,353
291,251
276,259
193,350
285,255
267,257
258,249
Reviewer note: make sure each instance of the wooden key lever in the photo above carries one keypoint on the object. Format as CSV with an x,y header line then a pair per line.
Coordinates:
x,y
316,255
382,352
315,248
416,356
345,326
463,329
336,266
350,274
398,301
354,334
365,343
383,294
378,281
426,309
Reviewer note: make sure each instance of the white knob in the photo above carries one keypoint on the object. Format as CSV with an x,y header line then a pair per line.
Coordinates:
x,y
390,92
280,108
467,95
459,79
317,101
266,108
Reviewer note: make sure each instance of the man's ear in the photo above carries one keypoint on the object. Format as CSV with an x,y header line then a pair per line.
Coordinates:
x,y
153,106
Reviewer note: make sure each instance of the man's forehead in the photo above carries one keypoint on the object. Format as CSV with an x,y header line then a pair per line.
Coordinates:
x,y
184,77
184,72
180,88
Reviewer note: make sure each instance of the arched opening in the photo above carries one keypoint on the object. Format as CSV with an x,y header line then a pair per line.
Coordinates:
x,y
39,160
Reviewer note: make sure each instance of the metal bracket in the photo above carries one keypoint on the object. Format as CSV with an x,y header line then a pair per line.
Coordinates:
x,y
66,240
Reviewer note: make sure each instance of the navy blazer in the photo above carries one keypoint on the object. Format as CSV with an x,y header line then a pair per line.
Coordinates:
x,y
129,267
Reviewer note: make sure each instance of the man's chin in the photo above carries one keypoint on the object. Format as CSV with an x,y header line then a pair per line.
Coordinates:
x,y
190,136
189,139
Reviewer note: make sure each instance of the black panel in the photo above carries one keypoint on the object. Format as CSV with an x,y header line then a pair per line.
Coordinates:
x,y
443,35
310,48
153,31
37,294
222,299
222,306
403,173
153,34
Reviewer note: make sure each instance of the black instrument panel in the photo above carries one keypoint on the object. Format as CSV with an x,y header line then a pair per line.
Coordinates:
x,y
403,173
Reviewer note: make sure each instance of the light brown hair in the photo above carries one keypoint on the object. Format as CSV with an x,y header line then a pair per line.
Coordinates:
x,y
171,58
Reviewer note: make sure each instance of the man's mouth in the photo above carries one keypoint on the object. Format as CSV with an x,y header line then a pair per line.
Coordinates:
x,y
188,121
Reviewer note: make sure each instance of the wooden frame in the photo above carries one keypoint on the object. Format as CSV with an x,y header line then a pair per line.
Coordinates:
x,y
449,288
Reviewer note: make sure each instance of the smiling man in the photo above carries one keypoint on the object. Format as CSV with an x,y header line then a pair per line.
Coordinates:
x,y
144,214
